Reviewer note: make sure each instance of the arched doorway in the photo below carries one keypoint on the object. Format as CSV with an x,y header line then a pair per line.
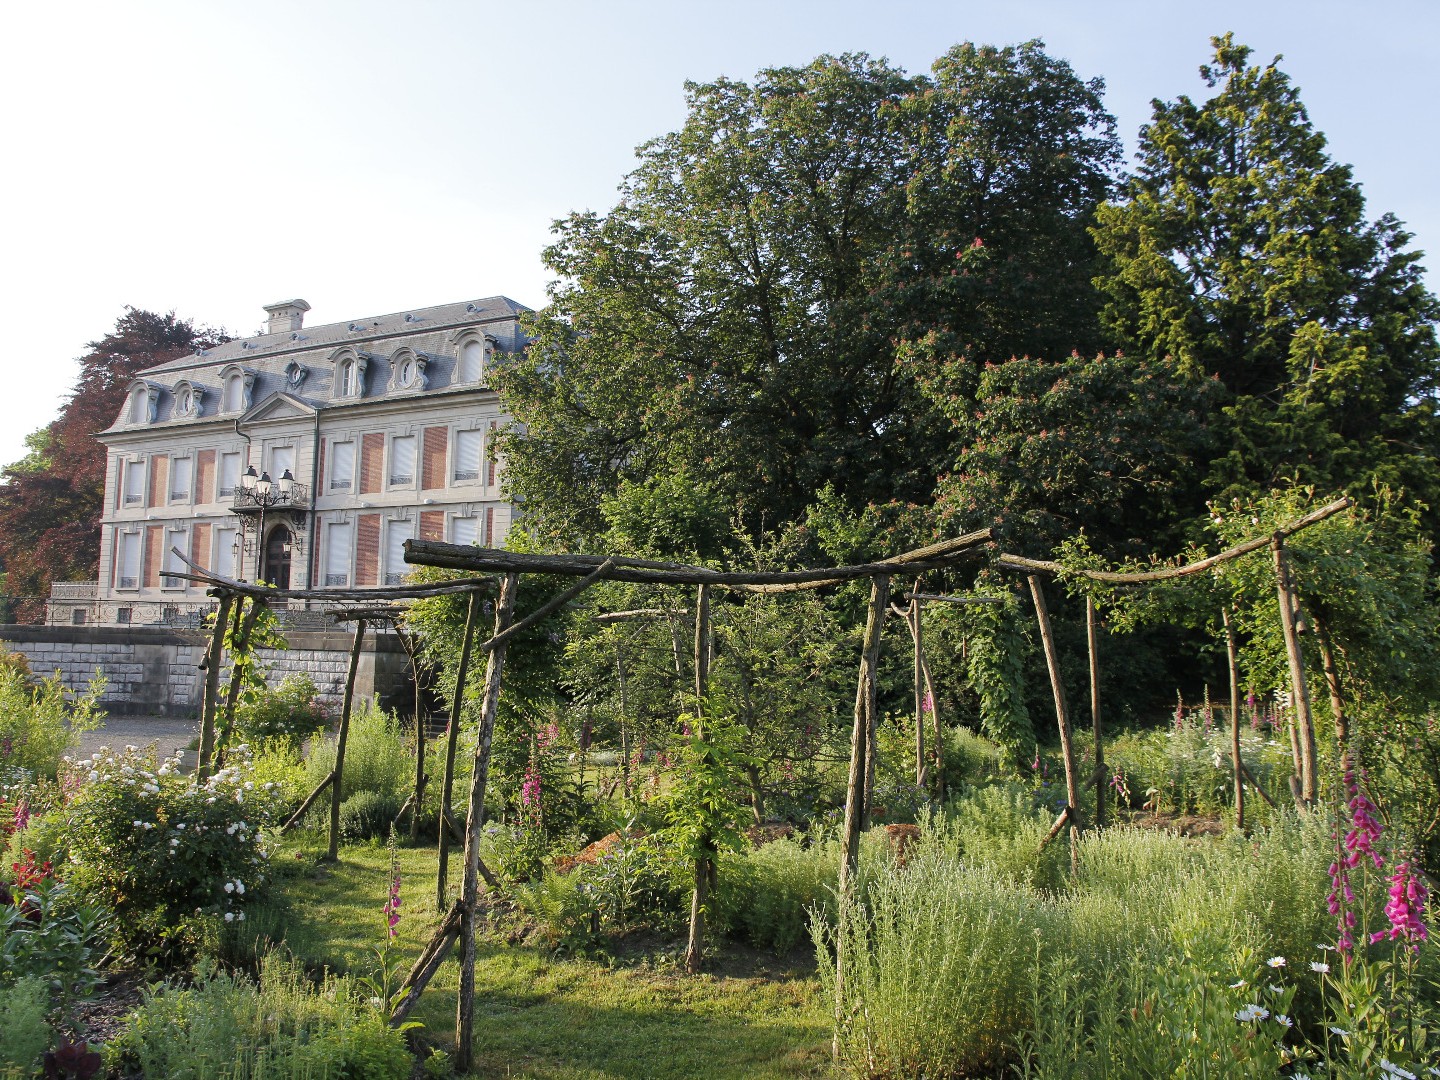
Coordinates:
x,y
277,557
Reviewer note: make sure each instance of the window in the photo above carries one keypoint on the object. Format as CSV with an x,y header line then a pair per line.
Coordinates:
x,y
229,474
463,530
174,538
127,561
134,483
181,469
224,560
342,466
395,567
345,379
471,368
467,455
234,392
337,553
281,459
77,616
407,372
139,406
402,461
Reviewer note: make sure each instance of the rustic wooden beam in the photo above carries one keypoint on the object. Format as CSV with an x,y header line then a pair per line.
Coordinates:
x,y
704,863
1115,577
938,598
308,802
1062,717
1289,605
212,686
239,655
447,783
413,591
1232,660
342,737
474,819
1092,649
639,613
650,571
554,604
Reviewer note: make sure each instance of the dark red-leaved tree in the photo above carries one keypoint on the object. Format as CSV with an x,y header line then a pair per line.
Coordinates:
x,y
51,500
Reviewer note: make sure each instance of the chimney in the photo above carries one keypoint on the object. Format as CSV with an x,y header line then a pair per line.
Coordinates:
x,y
286,316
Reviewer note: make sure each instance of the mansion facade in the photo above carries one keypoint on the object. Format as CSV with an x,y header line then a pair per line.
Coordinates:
x,y
304,457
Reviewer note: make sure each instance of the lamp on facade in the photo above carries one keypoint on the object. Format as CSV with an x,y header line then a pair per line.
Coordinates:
x,y
250,478
287,483
262,486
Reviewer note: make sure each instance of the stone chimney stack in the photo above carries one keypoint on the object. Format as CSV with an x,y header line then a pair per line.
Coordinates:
x,y
286,316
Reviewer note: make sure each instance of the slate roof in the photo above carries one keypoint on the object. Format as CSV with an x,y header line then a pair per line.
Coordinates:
x,y
333,335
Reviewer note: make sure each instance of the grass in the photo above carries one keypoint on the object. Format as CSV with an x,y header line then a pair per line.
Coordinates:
x,y
628,1017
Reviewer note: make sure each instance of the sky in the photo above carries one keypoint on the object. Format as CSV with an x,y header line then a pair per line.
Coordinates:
x,y
208,158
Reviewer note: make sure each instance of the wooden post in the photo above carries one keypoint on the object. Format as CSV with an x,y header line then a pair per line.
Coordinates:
x,y
337,786
417,797
704,862
1232,653
1337,698
856,798
1062,718
918,674
212,686
309,801
1090,641
1299,693
474,819
239,657
457,700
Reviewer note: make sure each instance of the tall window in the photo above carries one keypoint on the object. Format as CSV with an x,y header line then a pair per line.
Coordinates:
x,y
281,458
224,561
127,561
342,466
467,454
472,362
229,474
139,406
174,539
337,553
463,530
395,567
181,470
345,379
402,461
234,392
134,483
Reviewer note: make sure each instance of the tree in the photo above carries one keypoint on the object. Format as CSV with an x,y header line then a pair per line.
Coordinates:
x,y
738,316
52,500
1242,250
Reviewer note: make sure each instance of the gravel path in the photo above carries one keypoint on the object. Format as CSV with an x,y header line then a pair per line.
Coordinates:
x,y
166,733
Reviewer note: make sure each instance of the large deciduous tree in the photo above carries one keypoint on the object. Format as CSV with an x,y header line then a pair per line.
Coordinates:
x,y
1242,250
51,501
740,316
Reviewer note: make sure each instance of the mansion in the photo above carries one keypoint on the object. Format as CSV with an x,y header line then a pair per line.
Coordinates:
x,y
304,457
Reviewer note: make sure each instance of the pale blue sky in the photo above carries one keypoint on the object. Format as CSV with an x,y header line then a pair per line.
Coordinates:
x,y
214,157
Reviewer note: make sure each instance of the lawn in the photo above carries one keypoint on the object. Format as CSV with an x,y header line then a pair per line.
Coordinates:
x,y
632,1015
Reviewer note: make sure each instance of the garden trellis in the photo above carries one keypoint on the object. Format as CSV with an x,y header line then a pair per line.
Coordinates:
x,y
458,924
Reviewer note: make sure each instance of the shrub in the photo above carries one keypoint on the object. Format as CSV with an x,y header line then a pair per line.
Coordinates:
x,y
24,1035
47,934
289,712
227,1026
1000,828
38,724
367,815
766,895
377,756
159,847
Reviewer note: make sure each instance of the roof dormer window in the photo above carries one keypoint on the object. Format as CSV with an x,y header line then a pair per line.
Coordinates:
x,y
141,406
474,360
237,385
350,368
189,400
407,370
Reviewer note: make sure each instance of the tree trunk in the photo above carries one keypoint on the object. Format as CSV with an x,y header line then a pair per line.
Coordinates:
x,y
337,786
1337,698
1232,653
452,739
239,656
474,819
1300,694
1062,719
212,686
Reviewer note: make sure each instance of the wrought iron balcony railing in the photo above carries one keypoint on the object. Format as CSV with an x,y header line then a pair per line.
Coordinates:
x,y
247,500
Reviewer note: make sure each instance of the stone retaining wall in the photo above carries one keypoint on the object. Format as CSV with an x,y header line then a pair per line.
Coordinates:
x,y
155,670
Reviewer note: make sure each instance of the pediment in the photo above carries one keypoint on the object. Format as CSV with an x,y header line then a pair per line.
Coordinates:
x,y
281,406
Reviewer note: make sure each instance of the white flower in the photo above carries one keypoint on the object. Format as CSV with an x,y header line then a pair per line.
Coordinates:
x,y
181,825
1276,989
249,785
1316,965
1276,961
1395,1070
1339,1031
240,916
229,886
1283,1020
229,916
1251,1012
1237,985
138,824
174,842
239,888
94,775
1326,948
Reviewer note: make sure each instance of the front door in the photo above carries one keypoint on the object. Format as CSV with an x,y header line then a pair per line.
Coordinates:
x,y
277,558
